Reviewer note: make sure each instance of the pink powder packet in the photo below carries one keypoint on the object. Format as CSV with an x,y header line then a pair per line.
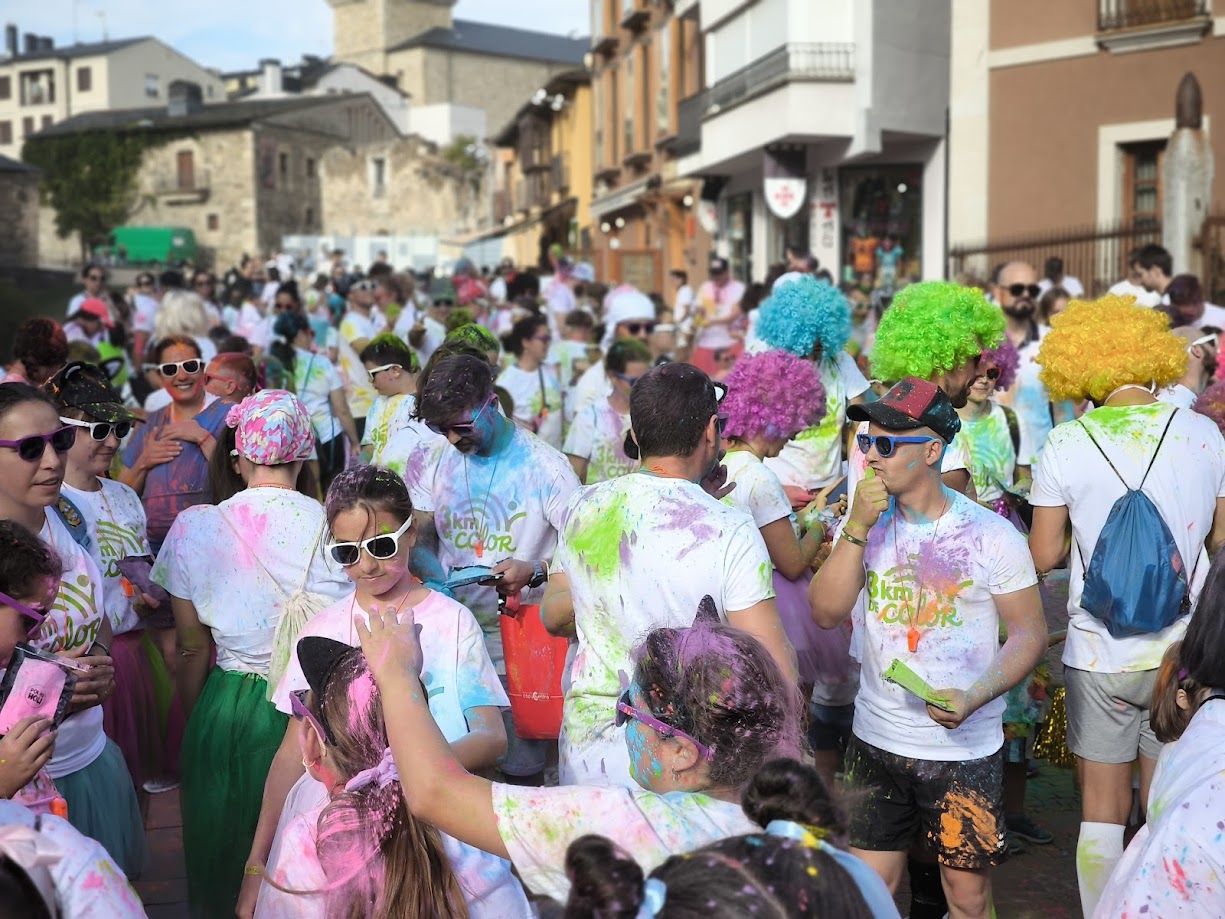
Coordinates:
x,y
34,684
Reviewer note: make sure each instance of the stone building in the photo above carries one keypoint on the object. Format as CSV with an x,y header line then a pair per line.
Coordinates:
x,y
19,205
451,68
41,84
242,175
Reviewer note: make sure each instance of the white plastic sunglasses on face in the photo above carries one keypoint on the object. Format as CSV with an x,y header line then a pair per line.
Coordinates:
x,y
381,547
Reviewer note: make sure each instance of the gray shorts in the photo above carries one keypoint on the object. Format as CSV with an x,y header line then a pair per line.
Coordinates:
x,y
1108,715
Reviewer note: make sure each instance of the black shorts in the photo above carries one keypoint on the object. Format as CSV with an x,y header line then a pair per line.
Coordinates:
x,y
958,806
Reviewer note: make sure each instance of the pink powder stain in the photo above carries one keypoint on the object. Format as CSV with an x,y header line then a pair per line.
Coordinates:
x,y
1178,877
93,881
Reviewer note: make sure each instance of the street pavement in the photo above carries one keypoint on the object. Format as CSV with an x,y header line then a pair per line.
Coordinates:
x,y
1038,883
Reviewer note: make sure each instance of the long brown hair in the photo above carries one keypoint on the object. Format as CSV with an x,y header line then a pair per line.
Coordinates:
x,y
380,862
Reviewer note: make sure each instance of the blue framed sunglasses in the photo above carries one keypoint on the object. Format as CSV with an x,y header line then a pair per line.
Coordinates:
x,y
886,443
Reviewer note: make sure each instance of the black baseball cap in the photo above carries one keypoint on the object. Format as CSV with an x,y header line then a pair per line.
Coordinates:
x,y
910,404
86,387
718,265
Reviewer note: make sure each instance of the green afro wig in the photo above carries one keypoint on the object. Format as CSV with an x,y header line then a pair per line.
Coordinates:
x,y
934,327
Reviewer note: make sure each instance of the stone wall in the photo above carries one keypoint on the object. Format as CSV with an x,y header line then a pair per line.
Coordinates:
x,y
19,228
421,194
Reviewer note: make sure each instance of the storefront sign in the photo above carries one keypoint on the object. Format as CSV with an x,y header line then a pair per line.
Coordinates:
x,y
708,215
786,189
823,228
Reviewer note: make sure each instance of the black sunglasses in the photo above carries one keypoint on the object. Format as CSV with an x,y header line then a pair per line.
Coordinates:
x,y
1018,289
635,327
32,448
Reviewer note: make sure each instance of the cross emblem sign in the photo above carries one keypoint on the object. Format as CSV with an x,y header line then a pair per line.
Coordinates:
x,y
784,196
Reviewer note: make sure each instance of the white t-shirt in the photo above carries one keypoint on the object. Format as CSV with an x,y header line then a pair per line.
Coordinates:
x,y
413,453
939,578
1177,395
641,551
537,398
993,461
389,415
73,622
435,334
144,313
1186,479
1031,402
1214,316
511,503
560,302
252,325
758,491
489,888
1174,865
813,458
718,305
538,824
406,320
315,378
592,386
564,355
458,673
1125,288
116,522
358,388
226,569
597,435
1072,285
88,883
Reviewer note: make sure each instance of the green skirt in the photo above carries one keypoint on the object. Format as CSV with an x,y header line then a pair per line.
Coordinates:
x,y
231,737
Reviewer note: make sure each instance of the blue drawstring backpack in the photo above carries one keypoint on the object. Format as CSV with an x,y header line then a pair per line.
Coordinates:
x,y
1135,582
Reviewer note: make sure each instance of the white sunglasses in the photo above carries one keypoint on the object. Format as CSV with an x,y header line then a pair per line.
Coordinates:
x,y
373,370
382,547
1206,340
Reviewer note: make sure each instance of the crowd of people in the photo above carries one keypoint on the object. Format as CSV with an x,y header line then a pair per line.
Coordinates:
x,y
292,549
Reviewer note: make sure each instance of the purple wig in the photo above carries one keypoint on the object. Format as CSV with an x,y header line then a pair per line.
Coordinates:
x,y
1211,403
1003,356
775,395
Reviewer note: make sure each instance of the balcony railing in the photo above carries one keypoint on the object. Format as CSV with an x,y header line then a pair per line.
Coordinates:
x,y
182,189
1129,14
795,62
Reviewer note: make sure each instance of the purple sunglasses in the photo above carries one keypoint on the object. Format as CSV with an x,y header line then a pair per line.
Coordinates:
x,y
297,705
24,610
32,448
626,710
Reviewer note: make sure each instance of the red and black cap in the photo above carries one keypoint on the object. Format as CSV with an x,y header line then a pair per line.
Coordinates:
x,y
910,404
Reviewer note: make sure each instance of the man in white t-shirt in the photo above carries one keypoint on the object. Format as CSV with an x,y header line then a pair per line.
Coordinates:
x,y
940,573
356,329
1017,291
495,497
1056,278
1086,467
639,552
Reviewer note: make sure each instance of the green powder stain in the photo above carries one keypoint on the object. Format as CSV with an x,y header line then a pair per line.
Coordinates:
x,y
1090,864
766,572
597,543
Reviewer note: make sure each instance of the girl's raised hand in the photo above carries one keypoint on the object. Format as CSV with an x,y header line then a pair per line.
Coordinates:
x,y
392,646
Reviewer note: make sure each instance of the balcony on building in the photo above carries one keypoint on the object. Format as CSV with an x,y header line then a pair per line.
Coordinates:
x,y
634,15
792,63
191,186
1135,25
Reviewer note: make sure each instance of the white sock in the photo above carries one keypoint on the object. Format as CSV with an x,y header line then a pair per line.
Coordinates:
x,y
1098,850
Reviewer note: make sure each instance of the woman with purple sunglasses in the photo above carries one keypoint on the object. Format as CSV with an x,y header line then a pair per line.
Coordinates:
x,y
88,769
705,709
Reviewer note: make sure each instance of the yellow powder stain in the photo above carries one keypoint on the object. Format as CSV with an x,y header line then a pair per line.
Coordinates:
x,y
967,822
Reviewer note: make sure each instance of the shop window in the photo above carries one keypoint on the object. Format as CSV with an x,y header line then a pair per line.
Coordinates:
x,y
740,234
881,214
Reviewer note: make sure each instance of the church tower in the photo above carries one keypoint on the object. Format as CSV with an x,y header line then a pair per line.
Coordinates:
x,y
363,30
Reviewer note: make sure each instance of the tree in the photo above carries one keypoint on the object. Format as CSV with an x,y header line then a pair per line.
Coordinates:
x,y
89,178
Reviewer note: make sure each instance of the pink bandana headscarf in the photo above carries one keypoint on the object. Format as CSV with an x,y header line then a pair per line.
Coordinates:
x,y
272,427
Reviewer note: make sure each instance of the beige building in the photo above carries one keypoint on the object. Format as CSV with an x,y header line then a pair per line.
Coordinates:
x,y
243,175
41,85
1059,115
463,77
19,205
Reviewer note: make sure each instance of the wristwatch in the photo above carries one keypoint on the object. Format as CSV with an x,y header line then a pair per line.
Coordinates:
x,y
539,575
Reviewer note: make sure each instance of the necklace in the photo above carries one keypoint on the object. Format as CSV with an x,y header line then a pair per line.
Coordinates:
x,y
660,472
912,634
483,524
273,485
412,585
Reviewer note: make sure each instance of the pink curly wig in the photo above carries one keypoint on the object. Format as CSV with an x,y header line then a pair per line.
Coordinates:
x,y
1005,358
1094,347
774,394
1211,403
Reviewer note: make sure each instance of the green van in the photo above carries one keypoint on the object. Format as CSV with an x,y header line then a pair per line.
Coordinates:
x,y
149,246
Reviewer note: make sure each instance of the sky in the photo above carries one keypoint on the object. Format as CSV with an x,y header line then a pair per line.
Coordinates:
x,y
233,37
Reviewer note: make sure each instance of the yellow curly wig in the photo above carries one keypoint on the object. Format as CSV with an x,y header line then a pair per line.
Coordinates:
x,y
1094,347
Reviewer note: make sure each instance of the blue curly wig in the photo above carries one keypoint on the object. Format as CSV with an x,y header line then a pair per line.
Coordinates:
x,y
775,395
805,313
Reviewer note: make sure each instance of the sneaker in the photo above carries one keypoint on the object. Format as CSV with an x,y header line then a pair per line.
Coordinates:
x,y
1024,828
158,786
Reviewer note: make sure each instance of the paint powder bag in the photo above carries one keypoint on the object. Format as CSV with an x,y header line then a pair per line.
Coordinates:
x,y
535,662
35,684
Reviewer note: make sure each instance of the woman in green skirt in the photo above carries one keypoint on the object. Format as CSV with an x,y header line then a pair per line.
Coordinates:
x,y
244,576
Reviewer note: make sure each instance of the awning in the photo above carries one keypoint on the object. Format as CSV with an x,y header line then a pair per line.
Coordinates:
x,y
618,200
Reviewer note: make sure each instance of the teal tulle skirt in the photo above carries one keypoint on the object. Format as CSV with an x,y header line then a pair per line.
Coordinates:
x,y
102,804
231,737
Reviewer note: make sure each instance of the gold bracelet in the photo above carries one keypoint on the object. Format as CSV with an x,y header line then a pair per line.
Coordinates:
x,y
253,870
854,540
